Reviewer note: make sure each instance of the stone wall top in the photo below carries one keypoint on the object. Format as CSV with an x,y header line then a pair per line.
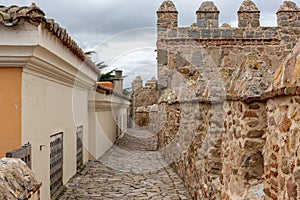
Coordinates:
x,y
167,6
16,180
248,15
208,6
248,6
288,6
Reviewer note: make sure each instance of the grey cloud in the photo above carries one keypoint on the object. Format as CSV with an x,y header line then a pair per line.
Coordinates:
x,y
107,17
103,25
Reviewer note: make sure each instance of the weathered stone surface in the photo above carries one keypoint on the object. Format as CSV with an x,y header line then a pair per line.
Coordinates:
x,y
17,181
292,189
142,97
285,124
250,148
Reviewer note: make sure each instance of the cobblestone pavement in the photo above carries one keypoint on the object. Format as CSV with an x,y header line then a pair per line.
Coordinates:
x,y
133,169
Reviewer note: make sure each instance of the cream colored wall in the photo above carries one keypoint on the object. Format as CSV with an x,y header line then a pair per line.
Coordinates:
x,y
50,72
103,110
102,124
50,104
106,134
50,108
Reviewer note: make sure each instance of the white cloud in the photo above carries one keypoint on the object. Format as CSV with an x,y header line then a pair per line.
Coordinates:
x,y
116,28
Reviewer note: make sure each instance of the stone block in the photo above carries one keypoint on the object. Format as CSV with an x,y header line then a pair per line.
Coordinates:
x,y
205,33
296,23
216,33
268,34
249,34
182,32
214,24
254,144
181,61
162,57
172,33
255,23
250,114
202,23
285,124
291,188
238,33
258,34
193,34
243,23
255,134
197,59
227,33
17,180
163,82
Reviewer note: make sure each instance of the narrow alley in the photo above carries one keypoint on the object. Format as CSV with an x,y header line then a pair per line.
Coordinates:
x,y
131,169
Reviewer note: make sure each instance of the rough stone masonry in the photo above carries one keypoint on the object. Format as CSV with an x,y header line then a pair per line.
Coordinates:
x,y
229,107
142,97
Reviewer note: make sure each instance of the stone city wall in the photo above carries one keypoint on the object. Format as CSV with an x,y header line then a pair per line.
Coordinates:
x,y
228,106
142,97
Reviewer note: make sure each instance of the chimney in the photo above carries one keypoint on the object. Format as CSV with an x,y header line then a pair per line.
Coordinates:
x,y
118,81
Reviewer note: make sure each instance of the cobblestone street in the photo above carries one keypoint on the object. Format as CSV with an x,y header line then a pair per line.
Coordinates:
x,y
132,169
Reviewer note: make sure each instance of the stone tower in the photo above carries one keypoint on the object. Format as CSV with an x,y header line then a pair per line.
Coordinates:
x,y
208,15
167,16
288,15
248,15
151,84
136,83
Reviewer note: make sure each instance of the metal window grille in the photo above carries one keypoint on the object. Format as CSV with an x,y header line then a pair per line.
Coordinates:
x,y
24,153
56,163
79,153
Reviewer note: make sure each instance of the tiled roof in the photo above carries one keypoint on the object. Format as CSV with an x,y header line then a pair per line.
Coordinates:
x,y
13,15
106,85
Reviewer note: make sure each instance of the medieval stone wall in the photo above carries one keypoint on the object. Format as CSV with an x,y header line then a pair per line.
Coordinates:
x,y
215,52
282,154
228,107
142,97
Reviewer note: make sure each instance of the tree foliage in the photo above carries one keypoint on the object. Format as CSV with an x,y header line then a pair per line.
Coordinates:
x,y
108,76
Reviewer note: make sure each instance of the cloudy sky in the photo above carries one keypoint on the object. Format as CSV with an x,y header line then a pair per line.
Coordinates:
x,y
122,32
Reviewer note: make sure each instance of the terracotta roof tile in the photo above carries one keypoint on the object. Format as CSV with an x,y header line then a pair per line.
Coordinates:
x,y
106,85
13,15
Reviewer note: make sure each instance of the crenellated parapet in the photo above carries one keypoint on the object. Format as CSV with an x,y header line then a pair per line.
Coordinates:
x,y
181,50
248,15
136,83
208,15
167,16
288,15
229,100
207,23
142,97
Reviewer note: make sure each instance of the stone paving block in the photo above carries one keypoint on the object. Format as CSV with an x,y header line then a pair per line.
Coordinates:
x,y
138,179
